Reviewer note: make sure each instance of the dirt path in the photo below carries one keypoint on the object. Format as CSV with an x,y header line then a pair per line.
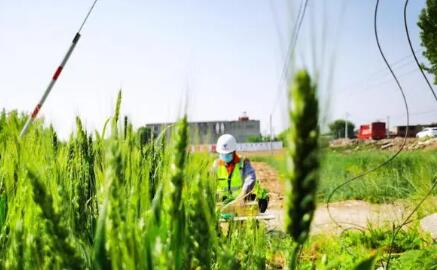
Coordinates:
x,y
269,179
351,214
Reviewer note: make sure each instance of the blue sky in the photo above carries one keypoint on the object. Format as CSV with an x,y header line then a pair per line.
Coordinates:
x,y
225,56
366,96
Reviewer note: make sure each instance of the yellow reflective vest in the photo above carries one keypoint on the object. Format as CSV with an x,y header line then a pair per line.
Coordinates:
x,y
229,185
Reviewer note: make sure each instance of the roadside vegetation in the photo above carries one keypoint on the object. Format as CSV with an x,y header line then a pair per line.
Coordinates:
x,y
118,199
408,177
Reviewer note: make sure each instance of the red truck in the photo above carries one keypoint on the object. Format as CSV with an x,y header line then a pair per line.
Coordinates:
x,y
372,131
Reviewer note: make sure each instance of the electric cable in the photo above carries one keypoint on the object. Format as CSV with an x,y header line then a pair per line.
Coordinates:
x,y
397,229
414,53
291,48
381,73
401,148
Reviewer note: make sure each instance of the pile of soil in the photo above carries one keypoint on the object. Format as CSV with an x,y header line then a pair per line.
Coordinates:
x,y
393,144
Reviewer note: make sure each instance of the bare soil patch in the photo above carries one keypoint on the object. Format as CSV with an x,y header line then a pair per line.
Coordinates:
x,y
350,214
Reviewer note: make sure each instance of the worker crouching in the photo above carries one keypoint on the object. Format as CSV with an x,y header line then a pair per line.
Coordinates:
x,y
235,175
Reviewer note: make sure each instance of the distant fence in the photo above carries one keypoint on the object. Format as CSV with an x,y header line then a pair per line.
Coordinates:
x,y
254,147
241,147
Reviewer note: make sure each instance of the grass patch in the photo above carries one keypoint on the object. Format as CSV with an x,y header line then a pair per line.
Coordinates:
x,y
407,177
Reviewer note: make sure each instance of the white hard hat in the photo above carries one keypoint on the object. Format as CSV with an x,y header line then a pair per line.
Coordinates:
x,y
226,144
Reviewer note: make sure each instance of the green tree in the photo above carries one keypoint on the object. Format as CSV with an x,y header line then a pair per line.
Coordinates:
x,y
259,138
428,26
283,137
255,138
338,126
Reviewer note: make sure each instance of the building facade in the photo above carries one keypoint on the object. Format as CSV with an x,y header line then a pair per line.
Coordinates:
x,y
209,131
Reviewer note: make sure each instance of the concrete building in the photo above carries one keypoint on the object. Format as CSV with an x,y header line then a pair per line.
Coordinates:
x,y
208,132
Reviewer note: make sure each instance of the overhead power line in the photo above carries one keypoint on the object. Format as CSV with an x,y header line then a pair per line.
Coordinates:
x,y
386,162
413,52
381,73
290,51
375,86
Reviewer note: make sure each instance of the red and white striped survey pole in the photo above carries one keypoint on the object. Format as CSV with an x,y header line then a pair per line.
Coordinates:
x,y
58,71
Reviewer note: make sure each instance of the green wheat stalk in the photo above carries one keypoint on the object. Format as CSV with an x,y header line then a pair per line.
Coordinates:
x,y
177,208
303,160
116,116
68,254
201,220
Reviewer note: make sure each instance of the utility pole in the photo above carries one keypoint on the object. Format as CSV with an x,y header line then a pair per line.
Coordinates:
x,y
388,126
345,127
271,135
